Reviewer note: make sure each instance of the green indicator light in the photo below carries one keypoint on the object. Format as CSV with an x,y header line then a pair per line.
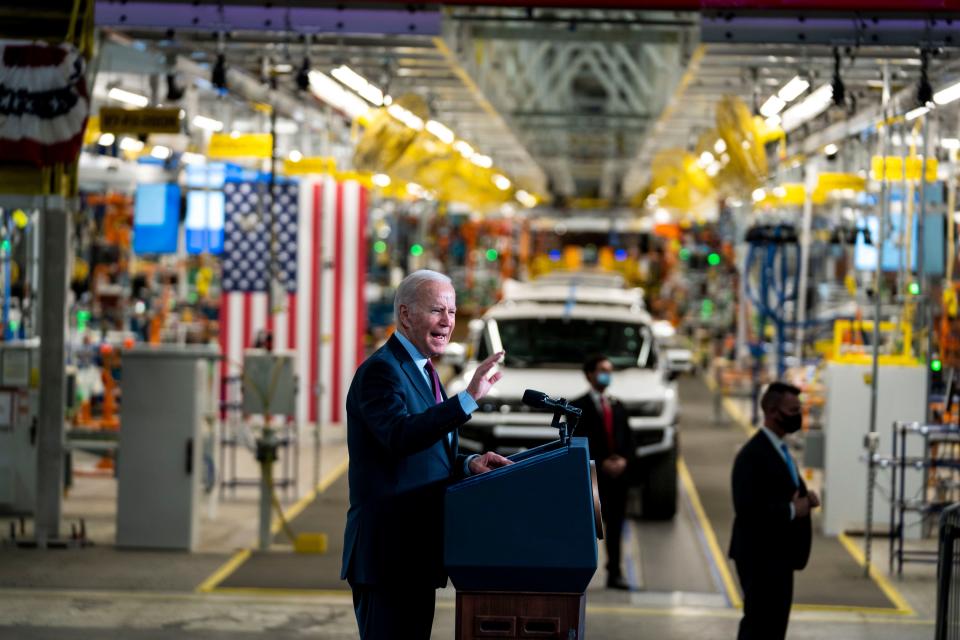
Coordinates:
x,y
713,259
192,297
684,254
6,245
936,365
416,250
914,289
379,246
706,309
491,254
83,316
14,326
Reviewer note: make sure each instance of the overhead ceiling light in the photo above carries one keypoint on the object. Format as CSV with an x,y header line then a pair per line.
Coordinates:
x,y
333,93
758,195
706,159
915,113
160,152
947,95
208,124
713,169
440,131
482,161
106,139
525,199
772,106
381,180
406,116
720,146
463,148
295,156
661,216
358,83
950,143
831,149
792,90
773,122
502,182
131,144
416,190
286,127
812,106
283,67
128,97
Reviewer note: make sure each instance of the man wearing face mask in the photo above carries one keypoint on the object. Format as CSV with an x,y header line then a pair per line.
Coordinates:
x,y
771,529
604,422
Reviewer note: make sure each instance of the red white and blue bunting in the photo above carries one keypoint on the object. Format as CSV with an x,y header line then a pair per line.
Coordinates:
x,y
43,103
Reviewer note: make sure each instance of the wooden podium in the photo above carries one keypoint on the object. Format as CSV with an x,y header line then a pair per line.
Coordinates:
x,y
520,545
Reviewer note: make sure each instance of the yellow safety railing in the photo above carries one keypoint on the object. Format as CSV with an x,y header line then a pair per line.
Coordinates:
x,y
847,350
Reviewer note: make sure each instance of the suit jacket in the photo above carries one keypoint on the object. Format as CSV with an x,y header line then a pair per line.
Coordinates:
x,y
762,491
401,461
591,426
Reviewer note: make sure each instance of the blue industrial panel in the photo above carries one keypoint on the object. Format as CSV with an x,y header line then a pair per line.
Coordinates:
x,y
156,218
865,255
526,527
204,224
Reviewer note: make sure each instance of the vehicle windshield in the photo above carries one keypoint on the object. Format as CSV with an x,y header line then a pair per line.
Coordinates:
x,y
531,342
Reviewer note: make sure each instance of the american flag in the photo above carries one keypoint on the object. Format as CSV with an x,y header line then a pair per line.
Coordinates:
x,y
321,264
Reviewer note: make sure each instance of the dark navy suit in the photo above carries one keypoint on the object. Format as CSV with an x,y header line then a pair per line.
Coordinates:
x,y
401,460
767,545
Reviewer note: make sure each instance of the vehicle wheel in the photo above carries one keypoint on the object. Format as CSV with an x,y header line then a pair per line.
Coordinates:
x,y
659,492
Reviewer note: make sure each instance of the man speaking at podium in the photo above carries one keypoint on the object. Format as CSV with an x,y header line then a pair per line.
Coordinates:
x,y
402,441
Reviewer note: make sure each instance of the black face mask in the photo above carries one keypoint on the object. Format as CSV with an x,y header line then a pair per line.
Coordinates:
x,y
791,423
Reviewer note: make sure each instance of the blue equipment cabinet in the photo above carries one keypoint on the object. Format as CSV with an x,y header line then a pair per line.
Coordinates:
x,y
521,543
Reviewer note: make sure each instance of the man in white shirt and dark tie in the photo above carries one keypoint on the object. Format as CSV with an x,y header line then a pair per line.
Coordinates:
x,y
771,528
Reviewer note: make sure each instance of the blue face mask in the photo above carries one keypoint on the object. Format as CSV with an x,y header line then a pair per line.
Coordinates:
x,y
603,379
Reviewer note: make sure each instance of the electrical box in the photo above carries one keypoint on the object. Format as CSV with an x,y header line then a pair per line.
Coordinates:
x,y
168,411
269,383
901,392
19,406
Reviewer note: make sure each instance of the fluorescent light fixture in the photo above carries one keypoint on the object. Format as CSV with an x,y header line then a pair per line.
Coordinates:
x,y
131,144
295,156
792,90
405,116
283,67
772,106
333,93
831,149
779,192
234,135
948,95
106,139
416,190
916,113
160,152
950,143
128,97
440,131
502,182
463,149
652,200
208,124
192,158
758,195
706,159
381,180
358,83
713,169
773,122
525,199
661,216
720,145
482,161
812,106
286,127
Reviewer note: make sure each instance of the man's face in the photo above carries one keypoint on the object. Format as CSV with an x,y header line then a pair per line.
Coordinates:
x,y
428,323
599,378
789,417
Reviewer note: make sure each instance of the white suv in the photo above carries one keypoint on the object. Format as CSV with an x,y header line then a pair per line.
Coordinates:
x,y
546,344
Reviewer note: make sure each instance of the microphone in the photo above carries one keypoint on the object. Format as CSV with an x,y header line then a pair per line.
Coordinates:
x,y
540,400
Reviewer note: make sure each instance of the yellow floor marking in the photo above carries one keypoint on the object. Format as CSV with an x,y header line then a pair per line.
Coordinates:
x,y
903,607
719,558
210,584
256,591
224,571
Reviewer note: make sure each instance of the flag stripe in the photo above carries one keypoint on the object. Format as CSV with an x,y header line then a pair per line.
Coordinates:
x,y
337,306
361,274
315,299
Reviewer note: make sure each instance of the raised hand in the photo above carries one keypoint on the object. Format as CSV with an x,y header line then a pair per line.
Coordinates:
x,y
481,383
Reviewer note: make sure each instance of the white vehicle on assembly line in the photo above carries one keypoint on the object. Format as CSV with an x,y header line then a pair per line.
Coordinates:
x,y
546,345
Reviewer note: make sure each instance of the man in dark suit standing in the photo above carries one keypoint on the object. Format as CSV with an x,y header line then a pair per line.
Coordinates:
x,y
604,423
402,441
771,528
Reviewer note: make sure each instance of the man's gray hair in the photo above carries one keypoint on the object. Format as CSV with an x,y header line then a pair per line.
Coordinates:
x,y
408,293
